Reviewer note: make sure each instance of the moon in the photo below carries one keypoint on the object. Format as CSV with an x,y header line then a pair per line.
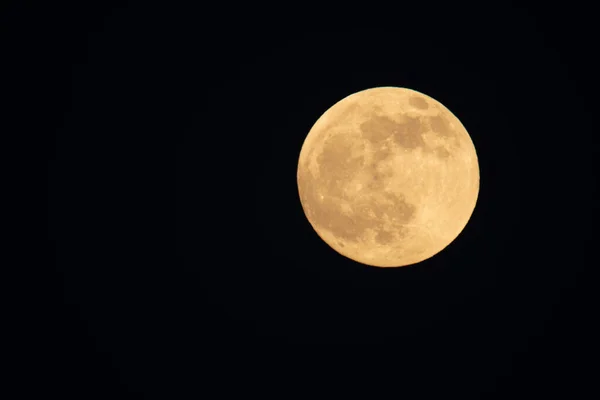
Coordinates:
x,y
388,177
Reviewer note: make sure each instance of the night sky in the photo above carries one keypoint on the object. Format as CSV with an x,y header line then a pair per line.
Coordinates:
x,y
179,256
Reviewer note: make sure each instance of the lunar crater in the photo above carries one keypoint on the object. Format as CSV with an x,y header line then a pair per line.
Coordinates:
x,y
418,102
440,125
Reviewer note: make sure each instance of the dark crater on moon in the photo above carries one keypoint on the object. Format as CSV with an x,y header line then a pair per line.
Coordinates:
x,y
440,126
418,102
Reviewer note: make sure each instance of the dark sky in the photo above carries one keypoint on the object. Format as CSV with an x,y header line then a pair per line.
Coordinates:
x,y
179,254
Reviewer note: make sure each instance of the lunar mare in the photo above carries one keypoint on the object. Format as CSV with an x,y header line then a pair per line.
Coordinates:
x,y
388,177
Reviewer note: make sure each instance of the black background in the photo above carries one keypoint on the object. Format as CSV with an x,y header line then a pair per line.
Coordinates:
x,y
179,255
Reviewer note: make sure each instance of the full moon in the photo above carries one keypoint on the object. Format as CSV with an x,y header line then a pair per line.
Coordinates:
x,y
388,177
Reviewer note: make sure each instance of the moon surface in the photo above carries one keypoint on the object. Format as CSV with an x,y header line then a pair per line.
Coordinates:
x,y
388,177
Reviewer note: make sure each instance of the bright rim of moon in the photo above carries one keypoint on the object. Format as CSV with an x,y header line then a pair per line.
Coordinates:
x,y
388,177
